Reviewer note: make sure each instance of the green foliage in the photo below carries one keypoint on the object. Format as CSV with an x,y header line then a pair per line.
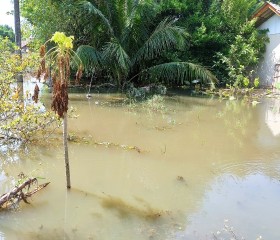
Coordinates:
x,y
91,58
237,12
256,82
244,54
137,51
246,82
62,41
6,31
120,40
20,118
47,17
180,72
214,26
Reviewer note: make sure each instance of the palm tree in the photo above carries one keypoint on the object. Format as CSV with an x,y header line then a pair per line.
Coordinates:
x,y
60,56
138,48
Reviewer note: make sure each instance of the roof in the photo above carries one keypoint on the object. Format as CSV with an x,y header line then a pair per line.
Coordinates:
x,y
266,11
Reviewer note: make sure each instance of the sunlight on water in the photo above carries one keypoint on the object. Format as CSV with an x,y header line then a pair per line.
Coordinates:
x,y
147,171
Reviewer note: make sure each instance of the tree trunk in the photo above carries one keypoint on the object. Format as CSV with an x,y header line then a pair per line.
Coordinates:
x,y
18,38
66,156
17,26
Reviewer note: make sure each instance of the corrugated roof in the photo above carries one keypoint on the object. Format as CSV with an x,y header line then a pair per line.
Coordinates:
x,y
266,11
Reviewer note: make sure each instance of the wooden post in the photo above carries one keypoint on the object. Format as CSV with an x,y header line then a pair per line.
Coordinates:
x,y
66,155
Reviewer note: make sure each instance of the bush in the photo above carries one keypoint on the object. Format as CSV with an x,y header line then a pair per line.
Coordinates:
x,y
20,117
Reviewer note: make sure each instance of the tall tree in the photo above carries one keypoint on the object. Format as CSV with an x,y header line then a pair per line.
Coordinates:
x,y
18,33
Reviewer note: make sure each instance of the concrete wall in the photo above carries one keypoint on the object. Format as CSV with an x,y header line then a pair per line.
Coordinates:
x,y
266,68
273,24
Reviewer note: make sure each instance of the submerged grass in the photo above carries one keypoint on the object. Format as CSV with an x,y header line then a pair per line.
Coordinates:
x,y
125,209
141,209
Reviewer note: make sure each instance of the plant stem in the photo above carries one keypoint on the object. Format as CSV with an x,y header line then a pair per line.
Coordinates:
x,y
66,156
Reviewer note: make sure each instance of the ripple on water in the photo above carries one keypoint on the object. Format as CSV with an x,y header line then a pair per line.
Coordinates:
x,y
249,167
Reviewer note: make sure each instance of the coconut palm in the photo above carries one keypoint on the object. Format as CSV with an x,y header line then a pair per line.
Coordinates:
x,y
139,48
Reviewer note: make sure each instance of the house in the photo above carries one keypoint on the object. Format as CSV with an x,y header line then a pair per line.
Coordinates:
x,y
268,17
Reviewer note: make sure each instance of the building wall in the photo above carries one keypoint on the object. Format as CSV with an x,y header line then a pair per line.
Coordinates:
x,y
273,24
266,68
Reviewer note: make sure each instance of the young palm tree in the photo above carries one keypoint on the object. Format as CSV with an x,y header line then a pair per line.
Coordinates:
x,y
137,47
60,56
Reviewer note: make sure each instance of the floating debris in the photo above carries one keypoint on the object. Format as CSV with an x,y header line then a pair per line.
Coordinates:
x,y
20,192
76,139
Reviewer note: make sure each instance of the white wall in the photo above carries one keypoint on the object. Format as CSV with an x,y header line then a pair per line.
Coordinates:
x,y
265,70
273,24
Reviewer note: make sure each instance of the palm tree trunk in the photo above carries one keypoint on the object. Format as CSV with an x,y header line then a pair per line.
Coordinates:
x,y
66,156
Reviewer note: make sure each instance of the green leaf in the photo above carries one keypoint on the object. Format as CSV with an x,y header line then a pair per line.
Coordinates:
x,y
180,72
114,53
165,37
92,9
90,57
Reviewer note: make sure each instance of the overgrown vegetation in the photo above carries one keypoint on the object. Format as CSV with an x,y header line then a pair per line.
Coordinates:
x,y
156,42
21,118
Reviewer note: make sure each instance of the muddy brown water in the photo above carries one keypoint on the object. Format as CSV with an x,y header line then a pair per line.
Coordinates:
x,y
185,168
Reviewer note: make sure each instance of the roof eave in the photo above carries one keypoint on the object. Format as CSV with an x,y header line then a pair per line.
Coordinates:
x,y
266,11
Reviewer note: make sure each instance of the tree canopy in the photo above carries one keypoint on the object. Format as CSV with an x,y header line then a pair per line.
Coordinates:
x,y
7,31
161,41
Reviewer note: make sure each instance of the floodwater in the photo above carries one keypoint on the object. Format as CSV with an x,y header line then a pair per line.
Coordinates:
x,y
182,168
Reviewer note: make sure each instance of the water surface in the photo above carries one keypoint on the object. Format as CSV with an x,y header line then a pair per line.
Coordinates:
x,y
181,168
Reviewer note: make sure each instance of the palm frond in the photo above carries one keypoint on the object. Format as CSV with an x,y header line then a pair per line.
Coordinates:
x,y
90,57
87,5
165,36
179,72
138,31
114,54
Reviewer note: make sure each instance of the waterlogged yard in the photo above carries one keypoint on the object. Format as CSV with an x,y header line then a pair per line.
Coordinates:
x,y
173,168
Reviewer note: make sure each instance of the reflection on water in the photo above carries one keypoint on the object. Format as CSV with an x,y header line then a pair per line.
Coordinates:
x,y
273,117
250,205
201,161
